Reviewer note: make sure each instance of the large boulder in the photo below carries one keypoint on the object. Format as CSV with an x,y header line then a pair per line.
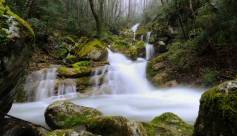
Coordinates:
x,y
13,127
169,123
16,39
70,132
88,49
217,111
108,126
65,114
118,126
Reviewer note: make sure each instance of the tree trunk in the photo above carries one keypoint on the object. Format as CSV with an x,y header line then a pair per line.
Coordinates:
x,y
180,21
191,7
97,19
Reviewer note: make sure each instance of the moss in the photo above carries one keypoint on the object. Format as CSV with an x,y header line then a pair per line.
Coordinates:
x,y
76,119
150,70
138,44
107,126
172,123
70,59
61,52
78,67
133,53
62,70
58,132
84,80
149,129
21,94
25,29
88,47
42,61
159,59
142,30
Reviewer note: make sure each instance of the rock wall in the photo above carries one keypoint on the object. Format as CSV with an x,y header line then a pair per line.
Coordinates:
x,y
15,53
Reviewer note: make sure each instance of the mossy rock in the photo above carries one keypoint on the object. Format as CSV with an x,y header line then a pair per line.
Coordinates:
x,y
108,126
119,44
170,123
70,132
91,50
71,59
142,31
131,53
65,114
126,34
16,48
61,52
42,61
137,128
217,112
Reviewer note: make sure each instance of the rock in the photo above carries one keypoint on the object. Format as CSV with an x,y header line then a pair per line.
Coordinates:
x,y
136,128
159,78
15,54
153,38
108,126
127,35
140,48
81,70
143,30
217,111
160,47
64,114
13,127
169,123
22,94
172,83
158,66
90,50
61,51
215,3
70,132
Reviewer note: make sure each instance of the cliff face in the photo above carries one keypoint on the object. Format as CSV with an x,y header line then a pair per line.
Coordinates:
x,y
16,46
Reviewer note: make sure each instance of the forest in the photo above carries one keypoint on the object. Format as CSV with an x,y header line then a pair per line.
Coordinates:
x,y
118,67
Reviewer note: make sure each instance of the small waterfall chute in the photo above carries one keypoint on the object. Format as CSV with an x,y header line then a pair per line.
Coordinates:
x,y
150,52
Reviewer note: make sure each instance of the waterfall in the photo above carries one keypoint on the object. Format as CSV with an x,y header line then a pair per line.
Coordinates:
x,y
142,38
70,47
134,28
150,52
42,85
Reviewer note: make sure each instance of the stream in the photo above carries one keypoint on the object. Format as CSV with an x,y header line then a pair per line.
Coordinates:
x,y
131,96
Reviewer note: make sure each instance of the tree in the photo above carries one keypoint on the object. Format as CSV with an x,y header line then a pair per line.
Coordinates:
x,y
99,20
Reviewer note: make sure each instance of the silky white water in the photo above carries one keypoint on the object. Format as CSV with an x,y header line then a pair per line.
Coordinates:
x,y
150,53
130,96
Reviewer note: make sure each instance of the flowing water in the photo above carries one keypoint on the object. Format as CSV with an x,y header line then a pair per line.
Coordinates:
x,y
150,53
125,92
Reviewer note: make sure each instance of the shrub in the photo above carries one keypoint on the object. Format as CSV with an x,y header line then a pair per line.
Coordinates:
x,y
208,76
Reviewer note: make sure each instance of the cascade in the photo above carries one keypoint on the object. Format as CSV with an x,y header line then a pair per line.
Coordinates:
x,y
134,28
124,91
42,85
70,47
150,52
142,38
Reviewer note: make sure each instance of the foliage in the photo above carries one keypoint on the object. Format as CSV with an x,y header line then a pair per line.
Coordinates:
x,y
208,76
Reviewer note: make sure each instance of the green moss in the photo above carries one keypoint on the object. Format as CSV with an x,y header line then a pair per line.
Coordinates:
x,y
84,80
88,47
149,129
62,70
79,68
42,61
150,70
138,44
172,123
142,30
70,59
58,132
24,27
